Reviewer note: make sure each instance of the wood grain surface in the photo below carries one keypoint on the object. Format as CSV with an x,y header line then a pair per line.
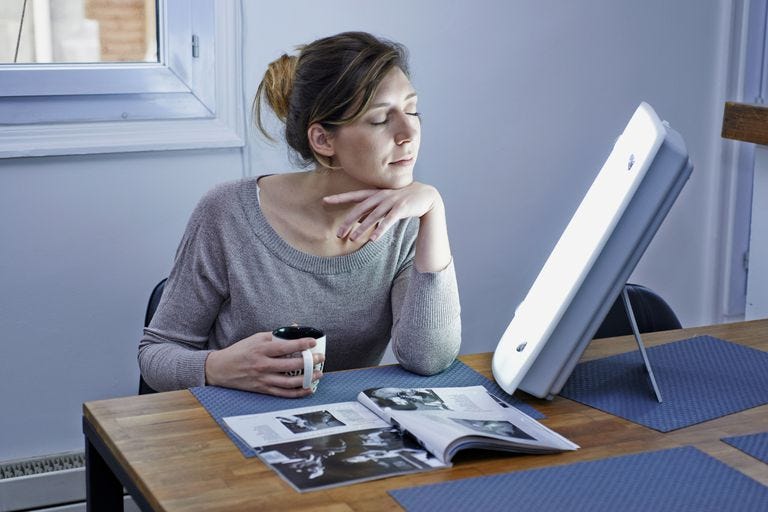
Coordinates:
x,y
745,122
181,460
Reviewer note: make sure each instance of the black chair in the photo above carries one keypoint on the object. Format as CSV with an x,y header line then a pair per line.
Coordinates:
x,y
652,314
154,300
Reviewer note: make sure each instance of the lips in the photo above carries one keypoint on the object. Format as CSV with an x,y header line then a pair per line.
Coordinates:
x,y
403,161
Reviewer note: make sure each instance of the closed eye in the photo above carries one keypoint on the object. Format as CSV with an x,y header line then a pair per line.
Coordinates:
x,y
386,120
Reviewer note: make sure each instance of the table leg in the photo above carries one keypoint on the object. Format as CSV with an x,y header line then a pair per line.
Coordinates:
x,y
103,490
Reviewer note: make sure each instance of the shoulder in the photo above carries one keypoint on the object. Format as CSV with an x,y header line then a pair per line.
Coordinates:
x,y
287,188
224,193
227,197
221,203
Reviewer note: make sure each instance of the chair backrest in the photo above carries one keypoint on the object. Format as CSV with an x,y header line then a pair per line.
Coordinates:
x,y
154,300
652,314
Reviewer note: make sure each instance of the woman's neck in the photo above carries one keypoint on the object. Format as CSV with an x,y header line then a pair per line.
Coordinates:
x,y
293,205
323,182
314,185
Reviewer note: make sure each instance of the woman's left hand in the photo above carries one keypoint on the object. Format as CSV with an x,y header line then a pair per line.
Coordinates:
x,y
383,207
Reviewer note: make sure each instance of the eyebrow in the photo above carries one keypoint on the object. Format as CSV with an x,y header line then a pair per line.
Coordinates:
x,y
380,105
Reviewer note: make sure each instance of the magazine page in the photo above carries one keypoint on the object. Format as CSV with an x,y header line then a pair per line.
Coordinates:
x,y
467,399
345,458
447,420
446,433
324,446
265,429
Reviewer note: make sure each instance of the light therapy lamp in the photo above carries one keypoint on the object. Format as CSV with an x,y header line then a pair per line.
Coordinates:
x,y
594,257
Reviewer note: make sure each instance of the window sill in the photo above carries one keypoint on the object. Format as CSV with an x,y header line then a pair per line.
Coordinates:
x,y
94,138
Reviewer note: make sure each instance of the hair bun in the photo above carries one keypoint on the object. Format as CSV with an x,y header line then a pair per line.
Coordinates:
x,y
278,83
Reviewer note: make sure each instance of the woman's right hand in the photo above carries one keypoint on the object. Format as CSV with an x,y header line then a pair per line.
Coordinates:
x,y
257,363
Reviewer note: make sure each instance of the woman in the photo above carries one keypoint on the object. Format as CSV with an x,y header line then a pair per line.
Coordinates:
x,y
354,247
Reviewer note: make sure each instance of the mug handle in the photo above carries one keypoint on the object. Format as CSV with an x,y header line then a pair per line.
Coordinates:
x,y
309,367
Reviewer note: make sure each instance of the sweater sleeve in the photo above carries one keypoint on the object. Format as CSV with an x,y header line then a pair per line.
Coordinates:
x,y
426,332
173,350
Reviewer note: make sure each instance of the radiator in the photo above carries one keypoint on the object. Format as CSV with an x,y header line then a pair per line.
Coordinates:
x,y
45,482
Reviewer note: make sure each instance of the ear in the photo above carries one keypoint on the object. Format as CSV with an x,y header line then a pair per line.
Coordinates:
x,y
320,140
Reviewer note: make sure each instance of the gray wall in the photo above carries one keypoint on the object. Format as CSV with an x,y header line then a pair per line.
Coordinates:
x,y
521,104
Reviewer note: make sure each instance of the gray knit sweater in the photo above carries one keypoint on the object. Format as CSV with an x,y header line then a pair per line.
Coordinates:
x,y
234,276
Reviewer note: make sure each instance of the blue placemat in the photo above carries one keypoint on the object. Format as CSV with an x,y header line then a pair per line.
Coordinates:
x,y
680,479
342,387
700,379
755,445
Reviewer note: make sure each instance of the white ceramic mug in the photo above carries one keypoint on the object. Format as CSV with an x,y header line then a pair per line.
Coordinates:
x,y
295,332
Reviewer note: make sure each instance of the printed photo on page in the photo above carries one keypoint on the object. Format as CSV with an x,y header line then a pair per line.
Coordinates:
x,y
470,399
265,429
337,459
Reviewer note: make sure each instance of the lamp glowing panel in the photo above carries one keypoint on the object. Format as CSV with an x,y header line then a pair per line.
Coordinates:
x,y
594,257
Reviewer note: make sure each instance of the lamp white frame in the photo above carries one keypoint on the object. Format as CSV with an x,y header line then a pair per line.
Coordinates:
x,y
593,258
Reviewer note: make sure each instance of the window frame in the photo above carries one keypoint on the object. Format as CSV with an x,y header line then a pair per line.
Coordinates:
x,y
181,102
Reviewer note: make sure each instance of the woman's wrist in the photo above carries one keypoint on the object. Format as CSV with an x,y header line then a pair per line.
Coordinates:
x,y
210,362
433,252
437,210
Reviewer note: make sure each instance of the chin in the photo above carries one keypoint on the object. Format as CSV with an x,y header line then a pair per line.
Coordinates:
x,y
399,182
400,178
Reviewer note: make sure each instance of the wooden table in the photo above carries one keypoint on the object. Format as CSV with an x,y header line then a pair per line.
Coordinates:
x,y
171,455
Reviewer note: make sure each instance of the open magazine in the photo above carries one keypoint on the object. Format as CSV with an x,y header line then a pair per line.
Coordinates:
x,y
388,431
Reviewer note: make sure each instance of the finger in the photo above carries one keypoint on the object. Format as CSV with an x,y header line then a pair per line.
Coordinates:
x,y
281,365
383,226
357,214
288,393
280,380
360,213
373,218
288,362
354,196
280,348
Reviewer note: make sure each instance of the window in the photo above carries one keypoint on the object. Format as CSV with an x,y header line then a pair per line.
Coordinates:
x,y
185,99
76,31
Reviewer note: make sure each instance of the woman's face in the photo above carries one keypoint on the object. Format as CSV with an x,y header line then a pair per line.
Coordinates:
x,y
380,148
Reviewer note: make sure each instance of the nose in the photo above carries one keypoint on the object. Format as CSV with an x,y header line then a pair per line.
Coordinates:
x,y
407,128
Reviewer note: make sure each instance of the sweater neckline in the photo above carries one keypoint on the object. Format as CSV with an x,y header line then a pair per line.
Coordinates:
x,y
300,259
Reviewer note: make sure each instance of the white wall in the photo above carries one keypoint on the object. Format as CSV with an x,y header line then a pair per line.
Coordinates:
x,y
521,104
82,242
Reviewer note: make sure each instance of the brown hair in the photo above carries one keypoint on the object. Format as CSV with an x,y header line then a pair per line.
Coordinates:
x,y
331,82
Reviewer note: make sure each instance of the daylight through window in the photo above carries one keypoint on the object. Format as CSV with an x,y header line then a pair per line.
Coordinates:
x,y
78,31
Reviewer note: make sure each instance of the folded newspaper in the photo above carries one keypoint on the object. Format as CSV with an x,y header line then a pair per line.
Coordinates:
x,y
387,432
